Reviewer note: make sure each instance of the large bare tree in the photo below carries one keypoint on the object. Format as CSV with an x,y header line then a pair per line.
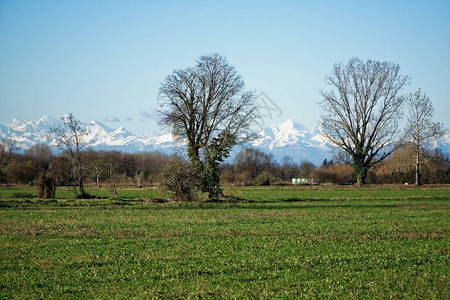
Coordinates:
x,y
421,130
362,111
70,137
207,106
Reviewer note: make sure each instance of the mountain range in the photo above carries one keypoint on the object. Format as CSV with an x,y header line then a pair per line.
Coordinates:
x,y
286,139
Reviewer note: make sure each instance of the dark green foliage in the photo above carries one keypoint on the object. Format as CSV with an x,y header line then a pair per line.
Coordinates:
x,y
361,169
217,152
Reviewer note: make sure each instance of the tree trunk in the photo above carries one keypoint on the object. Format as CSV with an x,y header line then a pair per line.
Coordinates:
x,y
81,186
194,157
360,169
417,168
358,181
98,182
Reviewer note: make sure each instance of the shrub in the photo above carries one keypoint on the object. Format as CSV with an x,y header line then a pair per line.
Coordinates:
x,y
265,178
178,177
334,173
243,178
227,177
45,187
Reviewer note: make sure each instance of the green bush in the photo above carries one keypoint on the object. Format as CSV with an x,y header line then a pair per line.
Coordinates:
x,y
179,177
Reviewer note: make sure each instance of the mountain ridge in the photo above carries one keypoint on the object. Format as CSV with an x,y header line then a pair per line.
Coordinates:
x,y
285,139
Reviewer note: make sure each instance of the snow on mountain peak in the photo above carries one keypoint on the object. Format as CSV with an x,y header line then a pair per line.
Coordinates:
x,y
290,125
286,133
285,139
22,125
45,123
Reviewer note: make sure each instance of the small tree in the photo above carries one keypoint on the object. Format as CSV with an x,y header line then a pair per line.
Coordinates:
x,y
113,164
98,167
306,168
70,138
138,177
421,129
361,113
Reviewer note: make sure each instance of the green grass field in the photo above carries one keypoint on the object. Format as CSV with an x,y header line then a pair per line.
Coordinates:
x,y
270,242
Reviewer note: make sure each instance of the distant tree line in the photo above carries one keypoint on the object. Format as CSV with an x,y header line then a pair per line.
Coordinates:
x,y
99,167
254,167
249,167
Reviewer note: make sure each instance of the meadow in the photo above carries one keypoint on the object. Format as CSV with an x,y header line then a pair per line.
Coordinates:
x,y
260,242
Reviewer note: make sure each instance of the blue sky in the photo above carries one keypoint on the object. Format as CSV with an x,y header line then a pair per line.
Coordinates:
x,y
105,60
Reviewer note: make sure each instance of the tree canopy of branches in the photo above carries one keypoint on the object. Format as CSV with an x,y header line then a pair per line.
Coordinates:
x,y
252,161
7,148
70,137
362,111
421,129
42,155
207,106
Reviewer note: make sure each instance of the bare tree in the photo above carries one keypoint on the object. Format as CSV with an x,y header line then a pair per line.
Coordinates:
x,y
113,166
70,138
139,176
421,130
42,155
7,148
362,111
252,161
205,105
98,166
306,168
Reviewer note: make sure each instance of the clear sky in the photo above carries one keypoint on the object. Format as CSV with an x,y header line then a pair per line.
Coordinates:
x,y
105,60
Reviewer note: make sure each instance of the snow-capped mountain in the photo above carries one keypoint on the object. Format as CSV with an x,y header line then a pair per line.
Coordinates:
x,y
293,140
285,139
99,136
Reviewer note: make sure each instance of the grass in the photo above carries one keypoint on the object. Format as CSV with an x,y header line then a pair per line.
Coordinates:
x,y
268,243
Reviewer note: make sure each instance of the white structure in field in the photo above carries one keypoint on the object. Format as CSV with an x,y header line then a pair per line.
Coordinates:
x,y
299,180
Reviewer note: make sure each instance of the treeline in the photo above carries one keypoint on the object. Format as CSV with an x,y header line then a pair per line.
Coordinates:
x,y
253,167
400,167
249,167
99,167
